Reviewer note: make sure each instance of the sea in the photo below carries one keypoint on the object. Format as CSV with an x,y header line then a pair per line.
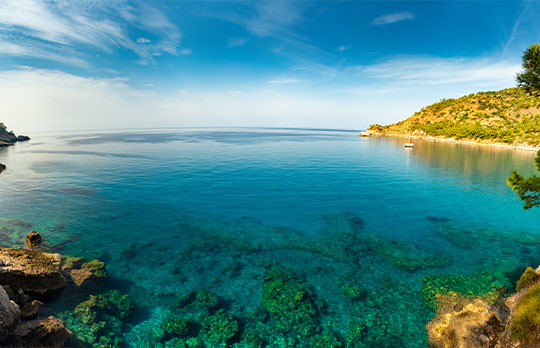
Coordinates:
x,y
261,237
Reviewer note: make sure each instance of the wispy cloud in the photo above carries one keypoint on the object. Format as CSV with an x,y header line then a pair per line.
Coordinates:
x,y
283,80
237,41
419,70
390,18
343,48
143,40
514,32
72,27
277,19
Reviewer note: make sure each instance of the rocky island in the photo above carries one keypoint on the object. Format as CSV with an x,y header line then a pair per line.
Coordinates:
x,y
9,138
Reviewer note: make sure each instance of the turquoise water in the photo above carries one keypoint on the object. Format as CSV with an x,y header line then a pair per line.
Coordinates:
x,y
179,210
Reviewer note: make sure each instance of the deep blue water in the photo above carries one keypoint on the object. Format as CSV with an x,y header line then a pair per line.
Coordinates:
x,y
142,200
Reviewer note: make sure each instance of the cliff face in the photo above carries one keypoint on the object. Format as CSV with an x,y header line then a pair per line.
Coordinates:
x,y
510,116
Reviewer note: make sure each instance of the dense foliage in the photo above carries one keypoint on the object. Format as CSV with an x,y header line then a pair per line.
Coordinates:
x,y
527,188
530,77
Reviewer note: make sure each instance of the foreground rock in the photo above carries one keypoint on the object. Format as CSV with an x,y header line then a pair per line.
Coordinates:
x,y
31,309
9,314
491,322
39,333
466,323
30,270
2,167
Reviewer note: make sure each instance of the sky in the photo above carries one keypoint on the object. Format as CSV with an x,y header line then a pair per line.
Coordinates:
x,y
110,64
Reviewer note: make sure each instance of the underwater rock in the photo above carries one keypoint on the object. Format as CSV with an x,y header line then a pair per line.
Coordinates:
x,y
96,267
9,314
30,270
219,327
2,167
48,332
81,272
99,321
353,293
290,303
80,276
32,240
466,323
69,262
31,309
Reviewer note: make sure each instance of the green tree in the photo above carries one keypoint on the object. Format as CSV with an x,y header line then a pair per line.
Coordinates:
x,y
528,189
2,126
530,77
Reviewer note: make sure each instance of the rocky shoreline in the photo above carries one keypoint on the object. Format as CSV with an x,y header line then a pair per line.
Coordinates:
x,y
462,141
28,279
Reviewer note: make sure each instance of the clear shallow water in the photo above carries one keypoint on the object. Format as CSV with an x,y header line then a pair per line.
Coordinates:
x,y
173,211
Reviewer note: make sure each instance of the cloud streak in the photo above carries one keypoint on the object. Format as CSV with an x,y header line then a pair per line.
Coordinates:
x,y
390,18
419,70
60,26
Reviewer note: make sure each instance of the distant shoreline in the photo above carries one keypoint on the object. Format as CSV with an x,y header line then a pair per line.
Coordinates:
x,y
465,142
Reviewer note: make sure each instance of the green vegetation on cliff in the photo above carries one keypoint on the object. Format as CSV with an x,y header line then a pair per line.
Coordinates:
x,y
509,116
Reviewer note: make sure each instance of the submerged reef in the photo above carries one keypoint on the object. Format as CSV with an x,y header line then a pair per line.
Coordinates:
x,y
290,304
99,321
480,283
245,284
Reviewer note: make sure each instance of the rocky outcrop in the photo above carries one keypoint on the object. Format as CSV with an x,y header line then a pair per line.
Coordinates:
x,y
466,323
23,138
490,322
2,167
8,138
29,270
9,314
32,240
31,309
48,332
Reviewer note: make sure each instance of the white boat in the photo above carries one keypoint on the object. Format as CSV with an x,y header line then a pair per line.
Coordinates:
x,y
409,144
365,134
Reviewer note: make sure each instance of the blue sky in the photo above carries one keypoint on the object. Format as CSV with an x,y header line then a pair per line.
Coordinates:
x,y
331,64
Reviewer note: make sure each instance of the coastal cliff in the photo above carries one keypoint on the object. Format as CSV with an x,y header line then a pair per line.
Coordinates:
x,y
508,117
